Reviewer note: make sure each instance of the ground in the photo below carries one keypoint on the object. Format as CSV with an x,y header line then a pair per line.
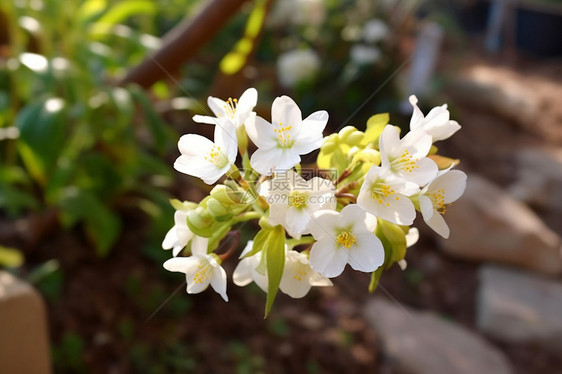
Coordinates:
x,y
124,314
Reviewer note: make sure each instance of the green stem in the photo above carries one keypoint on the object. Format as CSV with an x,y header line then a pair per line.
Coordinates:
x,y
303,240
248,216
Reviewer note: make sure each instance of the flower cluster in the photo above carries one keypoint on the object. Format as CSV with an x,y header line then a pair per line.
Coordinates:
x,y
355,207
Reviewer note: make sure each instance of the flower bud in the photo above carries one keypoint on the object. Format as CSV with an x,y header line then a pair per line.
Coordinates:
x,y
199,218
215,208
223,194
354,138
345,132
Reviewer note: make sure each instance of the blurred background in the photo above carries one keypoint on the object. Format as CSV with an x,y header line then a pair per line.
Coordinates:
x,y
94,95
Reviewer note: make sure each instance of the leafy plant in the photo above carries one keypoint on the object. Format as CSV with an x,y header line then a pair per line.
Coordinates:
x,y
86,146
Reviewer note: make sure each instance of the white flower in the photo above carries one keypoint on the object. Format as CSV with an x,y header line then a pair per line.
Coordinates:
x,y
281,142
364,54
445,189
292,200
201,269
297,66
375,30
436,123
233,110
204,159
406,157
342,238
298,276
245,272
297,279
179,235
386,196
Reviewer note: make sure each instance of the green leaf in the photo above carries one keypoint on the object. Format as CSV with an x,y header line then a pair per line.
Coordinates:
x,y
10,257
90,9
155,123
393,239
375,279
375,125
120,12
101,224
42,128
275,262
259,242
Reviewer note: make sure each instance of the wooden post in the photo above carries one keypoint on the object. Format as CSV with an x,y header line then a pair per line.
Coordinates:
x,y
183,42
24,344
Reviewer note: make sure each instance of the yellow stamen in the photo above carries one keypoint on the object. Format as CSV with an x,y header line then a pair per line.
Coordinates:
x,y
283,135
405,162
379,191
438,201
230,107
216,157
203,273
298,199
346,239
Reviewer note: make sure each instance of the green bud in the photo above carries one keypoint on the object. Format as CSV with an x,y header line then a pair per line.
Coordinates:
x,y
223,194
199,218
354,138
345,132
215,208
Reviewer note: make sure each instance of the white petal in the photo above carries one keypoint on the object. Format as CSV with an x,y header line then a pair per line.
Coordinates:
x,y
289,158
170,239
217,106
412,236
285,111
247,249
265,161
367,254
437,117
199,245
177,249
323,224
438,224
318,280
278,211
182,264
426,207
426,169
296,221
445,131
327,258
205,119
260,132
225,138
388,141
295,280
242,275
401,211
418,142
309,136
453,182
417,119
247,101
355,216
218,282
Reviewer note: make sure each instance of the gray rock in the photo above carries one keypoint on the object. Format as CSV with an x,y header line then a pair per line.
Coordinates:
x,y
539,178
487,224
518,307
423,343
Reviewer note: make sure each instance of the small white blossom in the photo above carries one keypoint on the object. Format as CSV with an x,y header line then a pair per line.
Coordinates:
x,y
297,66
375,30
281,142
435,197
179,235
345,238
406,157
364,54
233,110
297,279
201,269
385,196
298,276
245,272
292,200
436,123
204,159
